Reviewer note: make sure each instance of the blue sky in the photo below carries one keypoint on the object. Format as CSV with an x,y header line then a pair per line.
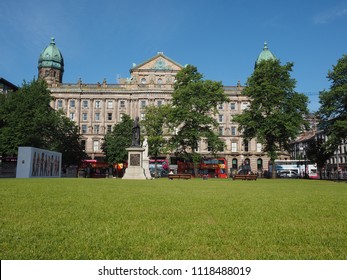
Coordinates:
x,y
101,39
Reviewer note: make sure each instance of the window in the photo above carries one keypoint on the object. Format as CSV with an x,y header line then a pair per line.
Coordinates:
x,y
259,147
60,104
97,104
84,116
244,105
72,103
160,81
109,116
96,145
220,118
221,130
143,104
122,104
234,147
109,128
83,144
72,116
96,129
220,106
84,128
143,81
246,146
142,116
159,103
109,104
85,104
232,106
259,164
97,116
234,163
233,131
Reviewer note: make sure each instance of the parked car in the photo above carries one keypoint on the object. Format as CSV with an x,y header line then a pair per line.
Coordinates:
x,y
288,174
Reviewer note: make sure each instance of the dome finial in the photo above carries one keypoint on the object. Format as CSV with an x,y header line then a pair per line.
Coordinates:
x,y
52,41
265,46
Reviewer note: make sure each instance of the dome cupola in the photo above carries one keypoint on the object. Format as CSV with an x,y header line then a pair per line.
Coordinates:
x,y
51,63
265,54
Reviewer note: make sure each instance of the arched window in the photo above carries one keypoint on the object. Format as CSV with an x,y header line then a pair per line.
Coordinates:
x,y
234,163
259,164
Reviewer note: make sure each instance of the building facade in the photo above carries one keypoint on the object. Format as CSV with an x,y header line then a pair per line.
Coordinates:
x,y
6,86
96,108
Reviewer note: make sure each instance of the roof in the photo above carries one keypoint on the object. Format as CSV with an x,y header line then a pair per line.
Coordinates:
x,y
265,54
8,84
51,57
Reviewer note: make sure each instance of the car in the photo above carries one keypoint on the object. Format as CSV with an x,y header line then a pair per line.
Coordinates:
x,y
288,174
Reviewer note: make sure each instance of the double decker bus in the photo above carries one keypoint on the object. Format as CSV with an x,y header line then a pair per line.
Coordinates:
x,y
210,167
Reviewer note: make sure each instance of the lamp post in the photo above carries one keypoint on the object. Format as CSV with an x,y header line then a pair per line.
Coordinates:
x,y
303,155
337,164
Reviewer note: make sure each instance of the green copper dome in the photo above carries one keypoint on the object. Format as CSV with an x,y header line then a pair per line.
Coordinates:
x,y
266,54
51,57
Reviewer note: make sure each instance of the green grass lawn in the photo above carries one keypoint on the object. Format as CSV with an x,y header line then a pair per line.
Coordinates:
x,y
179,219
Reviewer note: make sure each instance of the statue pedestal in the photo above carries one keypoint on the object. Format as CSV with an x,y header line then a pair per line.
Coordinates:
x,y
135,169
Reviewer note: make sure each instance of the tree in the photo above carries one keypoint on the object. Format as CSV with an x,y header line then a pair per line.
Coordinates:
x,y
27,119
66,139
333,109
276,112
193,101
155,118
116,142
316,151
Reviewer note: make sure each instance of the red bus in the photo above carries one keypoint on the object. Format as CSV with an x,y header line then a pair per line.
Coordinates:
x,y
211,167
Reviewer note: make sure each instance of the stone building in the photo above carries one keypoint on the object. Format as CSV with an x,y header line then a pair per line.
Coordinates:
x,y
96,108
6,86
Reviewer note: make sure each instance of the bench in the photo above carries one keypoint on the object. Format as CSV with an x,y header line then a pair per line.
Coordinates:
x,y
179,176
245,177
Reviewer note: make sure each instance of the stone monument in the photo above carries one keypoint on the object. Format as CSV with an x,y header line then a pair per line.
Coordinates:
x,y
135,155
145,161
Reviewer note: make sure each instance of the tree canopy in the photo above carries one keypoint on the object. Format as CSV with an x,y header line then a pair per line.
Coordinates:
x,y
333,110
116,142
276,112
154,122
154,129
27,119
194,101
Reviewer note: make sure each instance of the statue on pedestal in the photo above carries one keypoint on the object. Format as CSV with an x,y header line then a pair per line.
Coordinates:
x,y
135,155
145,146
145,161
135,142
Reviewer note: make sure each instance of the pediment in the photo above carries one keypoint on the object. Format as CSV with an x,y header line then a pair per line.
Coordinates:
x,y
160,62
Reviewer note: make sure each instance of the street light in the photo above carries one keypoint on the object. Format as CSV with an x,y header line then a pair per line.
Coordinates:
x,y
303,155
